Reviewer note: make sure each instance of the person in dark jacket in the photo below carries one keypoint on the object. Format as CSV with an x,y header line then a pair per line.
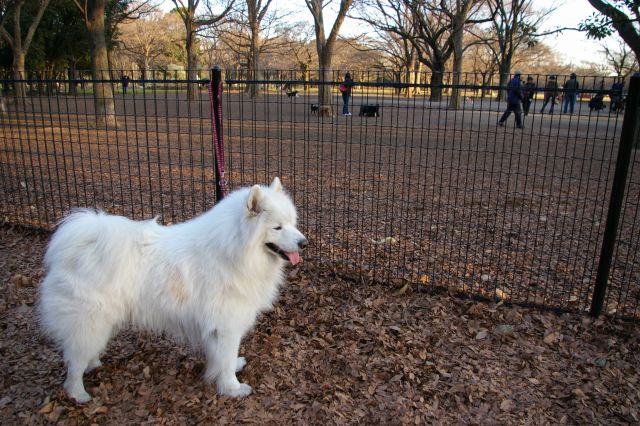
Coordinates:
x,y
125,83
550,94
571,88
529,92
616,95
514,98
345,88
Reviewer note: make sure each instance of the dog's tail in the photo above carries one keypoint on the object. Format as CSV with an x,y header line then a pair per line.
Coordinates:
x,y
94,242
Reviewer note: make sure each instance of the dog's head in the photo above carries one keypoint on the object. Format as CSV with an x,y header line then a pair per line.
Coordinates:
x,y
276,216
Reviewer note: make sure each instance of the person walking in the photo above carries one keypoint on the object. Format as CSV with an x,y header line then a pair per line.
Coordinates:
x,y
571,88
345,88
514,98
529,92
125,84
616,95
550,94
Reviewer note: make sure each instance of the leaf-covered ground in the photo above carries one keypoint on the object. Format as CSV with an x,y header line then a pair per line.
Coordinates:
x,y
333,352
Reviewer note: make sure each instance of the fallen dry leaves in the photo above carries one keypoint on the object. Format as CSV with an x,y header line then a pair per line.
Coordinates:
x,y
333,351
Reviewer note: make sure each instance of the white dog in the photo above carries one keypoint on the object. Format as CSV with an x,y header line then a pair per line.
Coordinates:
x,y
205,280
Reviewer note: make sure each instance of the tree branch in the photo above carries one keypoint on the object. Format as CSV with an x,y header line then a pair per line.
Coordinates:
x,y
34,24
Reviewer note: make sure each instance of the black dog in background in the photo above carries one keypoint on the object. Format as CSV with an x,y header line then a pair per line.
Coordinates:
x,y
369,111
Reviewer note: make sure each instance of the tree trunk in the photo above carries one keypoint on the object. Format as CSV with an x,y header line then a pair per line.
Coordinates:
x,y
458,32
324,90
503,71
102,91
305,75
324,47
417,76
254,61
20,87
437,77
486,81
73,85
192,63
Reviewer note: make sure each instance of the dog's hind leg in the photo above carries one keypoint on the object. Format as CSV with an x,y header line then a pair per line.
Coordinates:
x,y
82,354
223,363
73,384
240,363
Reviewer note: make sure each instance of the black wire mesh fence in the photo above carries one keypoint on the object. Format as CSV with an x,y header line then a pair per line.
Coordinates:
x,y
412,188
58,154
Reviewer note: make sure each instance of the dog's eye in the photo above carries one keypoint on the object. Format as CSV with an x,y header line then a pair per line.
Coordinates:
x,y
277,228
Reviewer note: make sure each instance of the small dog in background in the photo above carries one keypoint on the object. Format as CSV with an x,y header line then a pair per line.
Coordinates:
x,y
204,280
292,94
314,108
369,111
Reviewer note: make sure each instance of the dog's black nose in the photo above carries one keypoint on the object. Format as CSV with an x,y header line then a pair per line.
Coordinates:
x,y
303,243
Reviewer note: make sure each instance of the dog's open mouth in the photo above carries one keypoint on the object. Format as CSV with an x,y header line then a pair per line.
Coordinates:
x,y
293,256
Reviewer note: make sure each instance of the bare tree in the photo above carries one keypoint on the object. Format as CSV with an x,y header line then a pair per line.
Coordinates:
x,y
393,24
146,40
432,39
301,48
325,46
251,31
621,58
483,64
19,45
194,23
458,13
514,24
256,11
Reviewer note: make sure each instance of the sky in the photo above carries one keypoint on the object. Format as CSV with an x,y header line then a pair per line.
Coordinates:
x,y
573,45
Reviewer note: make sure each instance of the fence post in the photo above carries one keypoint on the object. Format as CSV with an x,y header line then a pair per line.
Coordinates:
x,y
216,117
627,140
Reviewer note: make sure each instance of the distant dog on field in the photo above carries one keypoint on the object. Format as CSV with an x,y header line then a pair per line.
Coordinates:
x,y
292,94
369,111
204,280
314,108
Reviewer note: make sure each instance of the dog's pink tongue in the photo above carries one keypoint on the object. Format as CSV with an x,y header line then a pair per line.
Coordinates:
x,y
294,257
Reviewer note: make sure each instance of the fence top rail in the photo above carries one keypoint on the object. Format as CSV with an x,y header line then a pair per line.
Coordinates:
x,y
398,85
232,81
92,80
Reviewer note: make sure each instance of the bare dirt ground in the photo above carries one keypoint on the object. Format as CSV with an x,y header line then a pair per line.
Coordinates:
x,y
333,351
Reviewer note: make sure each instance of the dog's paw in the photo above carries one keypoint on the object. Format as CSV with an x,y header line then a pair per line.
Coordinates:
x,y
80,397
76,392
237,391
240,363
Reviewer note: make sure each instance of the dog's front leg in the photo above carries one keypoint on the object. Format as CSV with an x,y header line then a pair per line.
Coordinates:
x,y
223,362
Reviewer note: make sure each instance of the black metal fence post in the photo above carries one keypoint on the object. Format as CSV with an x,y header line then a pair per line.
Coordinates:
x,y
216,81
627,137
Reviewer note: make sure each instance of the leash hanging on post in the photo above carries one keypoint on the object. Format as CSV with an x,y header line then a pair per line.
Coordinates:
x,y
217,135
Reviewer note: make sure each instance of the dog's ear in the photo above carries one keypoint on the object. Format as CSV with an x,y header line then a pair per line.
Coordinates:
x,y
254,200
276,185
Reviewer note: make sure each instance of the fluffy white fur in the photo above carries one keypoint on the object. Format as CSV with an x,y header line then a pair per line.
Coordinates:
x,y
205,280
